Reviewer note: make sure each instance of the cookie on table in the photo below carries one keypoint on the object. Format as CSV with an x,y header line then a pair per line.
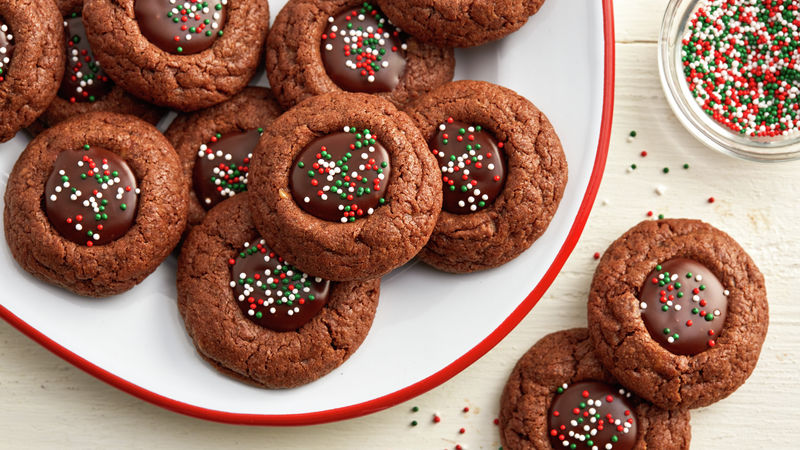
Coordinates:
x,y
215,146
95,204
321,46
186,59
502,172
460,23
255,316
559,396
31,61
678,312
344,187
85,86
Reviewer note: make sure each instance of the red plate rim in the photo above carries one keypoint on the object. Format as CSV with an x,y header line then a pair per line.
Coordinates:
x,y
416,389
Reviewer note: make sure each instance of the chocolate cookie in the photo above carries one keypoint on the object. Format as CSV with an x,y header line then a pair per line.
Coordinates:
x,y
559,396
185,58
215,146
85,86
345,187
95,204
258,318
678,312
319,46
31,61
502,171
460,23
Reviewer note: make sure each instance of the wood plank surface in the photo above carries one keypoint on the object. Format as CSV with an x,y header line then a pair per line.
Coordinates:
x,y
47,403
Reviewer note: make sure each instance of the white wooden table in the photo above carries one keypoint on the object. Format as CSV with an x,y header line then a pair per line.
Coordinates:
x,y
45,402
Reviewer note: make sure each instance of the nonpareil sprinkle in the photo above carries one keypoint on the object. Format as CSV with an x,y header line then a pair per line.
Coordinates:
x,y
740,62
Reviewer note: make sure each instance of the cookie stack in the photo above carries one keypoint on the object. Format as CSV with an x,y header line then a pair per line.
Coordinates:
x,y
291,201
677,316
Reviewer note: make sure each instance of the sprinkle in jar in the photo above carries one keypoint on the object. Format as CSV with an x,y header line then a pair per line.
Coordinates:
x,y
740,61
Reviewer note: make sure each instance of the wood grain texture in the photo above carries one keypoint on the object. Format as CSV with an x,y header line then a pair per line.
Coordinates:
x,y
48,403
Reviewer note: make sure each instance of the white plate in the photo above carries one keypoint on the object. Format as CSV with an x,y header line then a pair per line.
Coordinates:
x,y
429,325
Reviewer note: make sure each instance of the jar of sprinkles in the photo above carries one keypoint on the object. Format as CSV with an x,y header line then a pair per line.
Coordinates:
x,y
730,70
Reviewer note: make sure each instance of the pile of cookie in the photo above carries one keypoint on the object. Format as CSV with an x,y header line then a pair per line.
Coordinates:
x,y
289,203
677,314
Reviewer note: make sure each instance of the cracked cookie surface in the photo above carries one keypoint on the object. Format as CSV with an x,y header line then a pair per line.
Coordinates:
x,y
535,178
112,268
642,363
252,109
80,63
183,82
239,347
30,77
567,357
295,52
460,23
374,242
